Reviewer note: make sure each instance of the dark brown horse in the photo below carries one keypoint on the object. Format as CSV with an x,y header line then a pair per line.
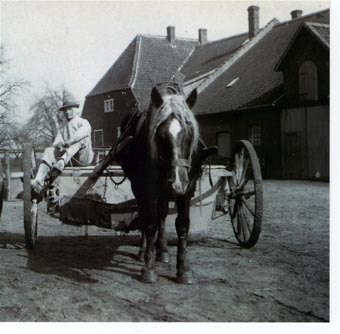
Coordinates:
x,y
163,161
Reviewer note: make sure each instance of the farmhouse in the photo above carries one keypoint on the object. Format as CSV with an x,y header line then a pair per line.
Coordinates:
x,y
127,84
269,85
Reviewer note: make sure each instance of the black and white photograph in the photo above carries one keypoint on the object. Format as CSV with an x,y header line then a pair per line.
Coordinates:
x,y
167,163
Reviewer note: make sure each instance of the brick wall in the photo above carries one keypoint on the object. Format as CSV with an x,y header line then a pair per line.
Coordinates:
x,y
238,123
93,111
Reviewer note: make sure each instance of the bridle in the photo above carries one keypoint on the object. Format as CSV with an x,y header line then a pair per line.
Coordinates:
x,y
176,162
175,88
181,163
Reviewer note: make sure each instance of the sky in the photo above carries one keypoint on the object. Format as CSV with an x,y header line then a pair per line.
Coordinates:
x,y
73,43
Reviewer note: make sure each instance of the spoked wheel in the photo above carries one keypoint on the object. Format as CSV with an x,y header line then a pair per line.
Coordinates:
x,y
245,199
30,204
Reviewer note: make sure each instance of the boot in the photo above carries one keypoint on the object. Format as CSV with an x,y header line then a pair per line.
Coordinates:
x,y
59,165
37,183
56,170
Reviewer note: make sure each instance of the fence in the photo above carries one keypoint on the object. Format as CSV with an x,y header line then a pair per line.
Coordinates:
x,y
11,166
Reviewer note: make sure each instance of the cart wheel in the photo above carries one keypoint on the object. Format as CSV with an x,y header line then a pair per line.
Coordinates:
x,y
245,199
30,205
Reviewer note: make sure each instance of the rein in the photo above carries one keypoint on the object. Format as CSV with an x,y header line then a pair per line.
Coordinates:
x,y
181,163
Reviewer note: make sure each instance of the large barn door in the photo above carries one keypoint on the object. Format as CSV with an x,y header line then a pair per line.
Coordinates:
x,y
292,155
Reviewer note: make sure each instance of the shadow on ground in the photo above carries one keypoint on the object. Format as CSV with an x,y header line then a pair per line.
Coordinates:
x,y
74,257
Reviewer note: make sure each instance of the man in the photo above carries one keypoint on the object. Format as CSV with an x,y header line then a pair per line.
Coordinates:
x,y
73,142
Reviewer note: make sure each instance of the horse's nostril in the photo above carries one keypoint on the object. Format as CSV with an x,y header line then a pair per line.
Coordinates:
x,y
179,188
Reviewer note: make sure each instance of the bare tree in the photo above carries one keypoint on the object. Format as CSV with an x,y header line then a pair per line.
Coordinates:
x,y
10,89
43,125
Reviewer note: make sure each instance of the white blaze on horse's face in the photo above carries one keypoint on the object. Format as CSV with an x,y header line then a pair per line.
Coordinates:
x,y
180,181
175,128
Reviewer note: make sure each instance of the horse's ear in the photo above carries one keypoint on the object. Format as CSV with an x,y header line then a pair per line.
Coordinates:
x,y
191,99
156,98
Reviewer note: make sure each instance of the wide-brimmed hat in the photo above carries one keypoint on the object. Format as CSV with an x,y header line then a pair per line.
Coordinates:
x,y
69,104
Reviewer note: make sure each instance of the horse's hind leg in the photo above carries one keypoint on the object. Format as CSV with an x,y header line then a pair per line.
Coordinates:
x,y
184,274
162,253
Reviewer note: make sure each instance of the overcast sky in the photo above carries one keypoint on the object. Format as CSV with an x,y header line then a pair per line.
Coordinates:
x,y
75,42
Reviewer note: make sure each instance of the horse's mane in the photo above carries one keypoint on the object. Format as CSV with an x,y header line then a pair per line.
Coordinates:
x,y
174,103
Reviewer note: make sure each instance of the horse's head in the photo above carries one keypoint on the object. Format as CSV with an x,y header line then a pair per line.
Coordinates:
x,y
173,134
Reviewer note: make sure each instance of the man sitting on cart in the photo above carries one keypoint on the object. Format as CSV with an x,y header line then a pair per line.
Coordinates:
x,y
72,144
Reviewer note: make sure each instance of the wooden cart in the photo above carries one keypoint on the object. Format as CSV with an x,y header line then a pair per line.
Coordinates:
x,y
237,192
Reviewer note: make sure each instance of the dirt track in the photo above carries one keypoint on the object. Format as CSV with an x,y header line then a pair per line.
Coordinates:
x,y
68,277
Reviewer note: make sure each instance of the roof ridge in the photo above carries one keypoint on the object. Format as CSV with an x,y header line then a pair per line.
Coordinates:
x,y
164,37
222,39
186,59
302,17
237,55
235,36
135,61
325,25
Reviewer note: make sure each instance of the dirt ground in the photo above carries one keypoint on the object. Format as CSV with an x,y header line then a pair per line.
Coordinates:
x,y
70,277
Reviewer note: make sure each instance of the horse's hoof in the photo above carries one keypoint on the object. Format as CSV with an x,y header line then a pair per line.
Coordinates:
x,y
185,278
163,257
140,256
148,276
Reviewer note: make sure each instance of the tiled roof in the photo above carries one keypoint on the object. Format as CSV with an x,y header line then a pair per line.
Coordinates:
x,y
208,56
120,73
258,83
146,61
157,61
320,30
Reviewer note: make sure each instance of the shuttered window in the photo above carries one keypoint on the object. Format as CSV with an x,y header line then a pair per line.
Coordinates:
x,y
308,81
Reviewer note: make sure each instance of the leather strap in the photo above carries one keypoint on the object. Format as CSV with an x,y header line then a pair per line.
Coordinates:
x,y
181,163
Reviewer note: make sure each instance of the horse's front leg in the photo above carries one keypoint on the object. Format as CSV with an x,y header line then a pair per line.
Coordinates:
x,y
149,221
184,274
162,254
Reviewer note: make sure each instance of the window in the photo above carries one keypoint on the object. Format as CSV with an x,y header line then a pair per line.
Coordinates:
x,y
108,105
255,134
308,81
224,144
98,138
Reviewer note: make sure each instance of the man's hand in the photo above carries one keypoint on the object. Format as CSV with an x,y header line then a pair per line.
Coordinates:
x,y
60,146
68,143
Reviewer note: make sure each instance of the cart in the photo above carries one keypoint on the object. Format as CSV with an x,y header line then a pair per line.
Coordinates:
x,y
236,192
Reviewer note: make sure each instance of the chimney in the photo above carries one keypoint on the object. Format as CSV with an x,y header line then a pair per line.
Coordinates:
x,y
171,34
296,14
254,21
203,36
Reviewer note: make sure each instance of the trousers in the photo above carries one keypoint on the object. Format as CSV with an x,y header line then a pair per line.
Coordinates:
x,y
78,154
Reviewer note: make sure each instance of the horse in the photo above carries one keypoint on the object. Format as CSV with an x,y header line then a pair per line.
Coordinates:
x,y
163,160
